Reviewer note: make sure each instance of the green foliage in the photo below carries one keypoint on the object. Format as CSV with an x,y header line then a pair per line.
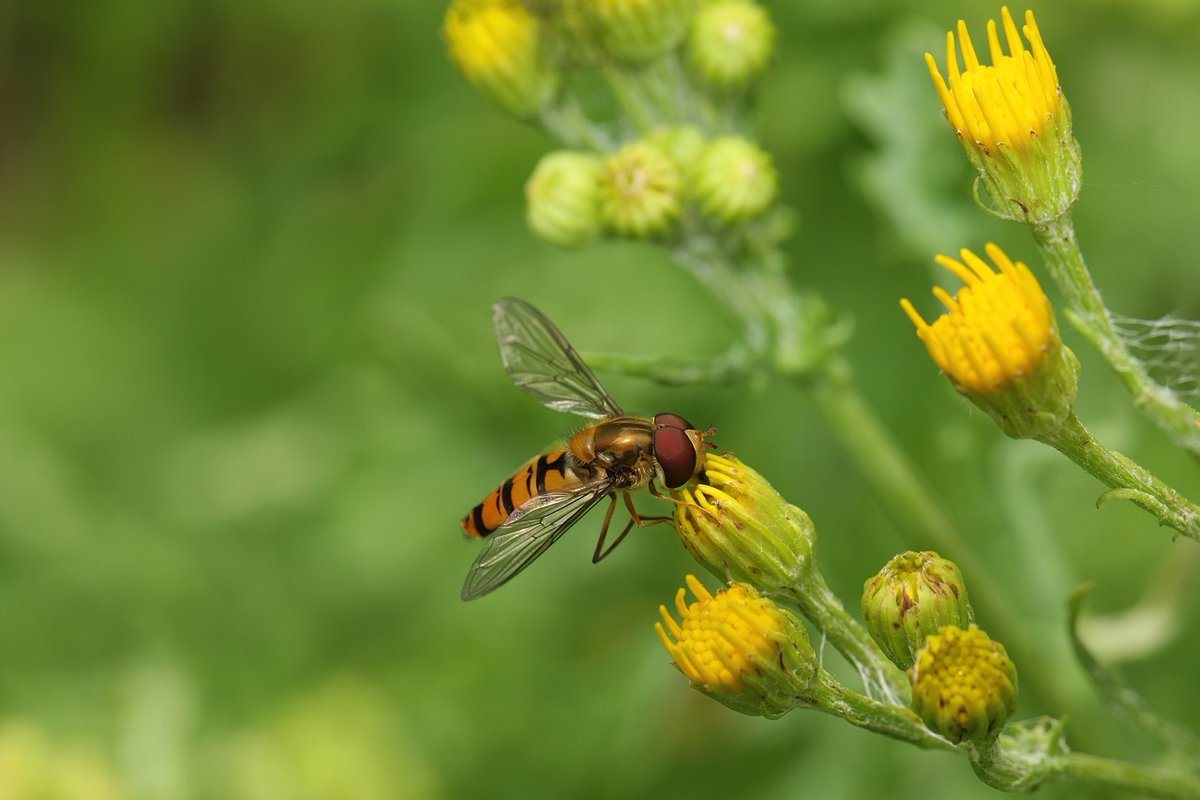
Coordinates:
x,y
247,256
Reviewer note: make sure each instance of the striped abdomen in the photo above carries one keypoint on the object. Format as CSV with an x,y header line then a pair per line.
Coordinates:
x,y
546,473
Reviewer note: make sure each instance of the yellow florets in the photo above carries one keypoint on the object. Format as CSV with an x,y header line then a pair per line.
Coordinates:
x,y
1008,103
719,637
964,684
738,526
997,328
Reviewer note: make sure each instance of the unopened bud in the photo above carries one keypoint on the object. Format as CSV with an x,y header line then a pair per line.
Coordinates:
x,y
912,597
561,198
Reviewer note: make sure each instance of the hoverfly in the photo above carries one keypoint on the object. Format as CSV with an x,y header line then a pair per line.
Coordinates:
x,y
618,455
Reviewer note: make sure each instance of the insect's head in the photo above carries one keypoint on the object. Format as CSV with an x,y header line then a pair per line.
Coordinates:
x,y
678,448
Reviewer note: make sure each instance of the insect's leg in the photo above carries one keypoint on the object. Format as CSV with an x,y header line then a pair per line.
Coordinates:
x,y
612,506
642,521
599,556
634,518
656,493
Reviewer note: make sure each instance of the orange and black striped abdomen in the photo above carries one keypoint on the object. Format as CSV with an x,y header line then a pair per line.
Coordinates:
x,y
546,473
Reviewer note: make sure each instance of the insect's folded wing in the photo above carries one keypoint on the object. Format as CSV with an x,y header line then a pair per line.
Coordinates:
x,y
527,534
542,362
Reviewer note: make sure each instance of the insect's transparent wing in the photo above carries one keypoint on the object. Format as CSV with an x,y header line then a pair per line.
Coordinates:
x,y
527,534
541,361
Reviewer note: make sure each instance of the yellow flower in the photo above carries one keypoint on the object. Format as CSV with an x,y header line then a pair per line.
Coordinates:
x,y
998,327
1012,120
964,684
734,523
721,635
497,47
1010,102
999,344
740,648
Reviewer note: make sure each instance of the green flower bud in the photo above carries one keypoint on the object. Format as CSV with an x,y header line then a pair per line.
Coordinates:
x,y
913,596
735,524
964,685
497,47
639,30
730,43
561,198
733,180
740,648
640,191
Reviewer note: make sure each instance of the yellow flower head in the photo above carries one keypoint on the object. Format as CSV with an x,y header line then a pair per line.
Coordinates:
x,y
741,649
496,44
999,344
1012,120
719,638
997,328
1010,102
964,684
734,523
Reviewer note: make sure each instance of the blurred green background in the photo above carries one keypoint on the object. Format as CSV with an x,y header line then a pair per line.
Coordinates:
x,y
248,388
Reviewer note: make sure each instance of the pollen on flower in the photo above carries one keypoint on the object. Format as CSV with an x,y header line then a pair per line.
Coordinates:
x,y
719,637
1009,103
997,328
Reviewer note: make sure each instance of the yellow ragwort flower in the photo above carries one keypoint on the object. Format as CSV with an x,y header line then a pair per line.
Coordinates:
x,y
1012,120
1010,102
741,649
496,44
737,525
998,327
722,635
999,344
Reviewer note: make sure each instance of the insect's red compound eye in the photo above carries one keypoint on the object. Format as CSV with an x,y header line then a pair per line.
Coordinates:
x,y
675,453
672,421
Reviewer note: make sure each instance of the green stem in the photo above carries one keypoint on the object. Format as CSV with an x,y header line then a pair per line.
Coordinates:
x,y
881,678
1128,479
1113,774
730,367
1091,317
569,123
633,98
890,720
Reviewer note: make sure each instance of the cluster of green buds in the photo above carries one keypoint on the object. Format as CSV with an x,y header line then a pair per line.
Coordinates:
x,y
964,686
670,65
644,189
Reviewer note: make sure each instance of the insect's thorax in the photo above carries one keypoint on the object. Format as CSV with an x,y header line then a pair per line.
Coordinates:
x,y
622,445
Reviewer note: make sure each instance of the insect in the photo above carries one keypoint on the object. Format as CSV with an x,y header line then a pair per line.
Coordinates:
x,y
615,456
